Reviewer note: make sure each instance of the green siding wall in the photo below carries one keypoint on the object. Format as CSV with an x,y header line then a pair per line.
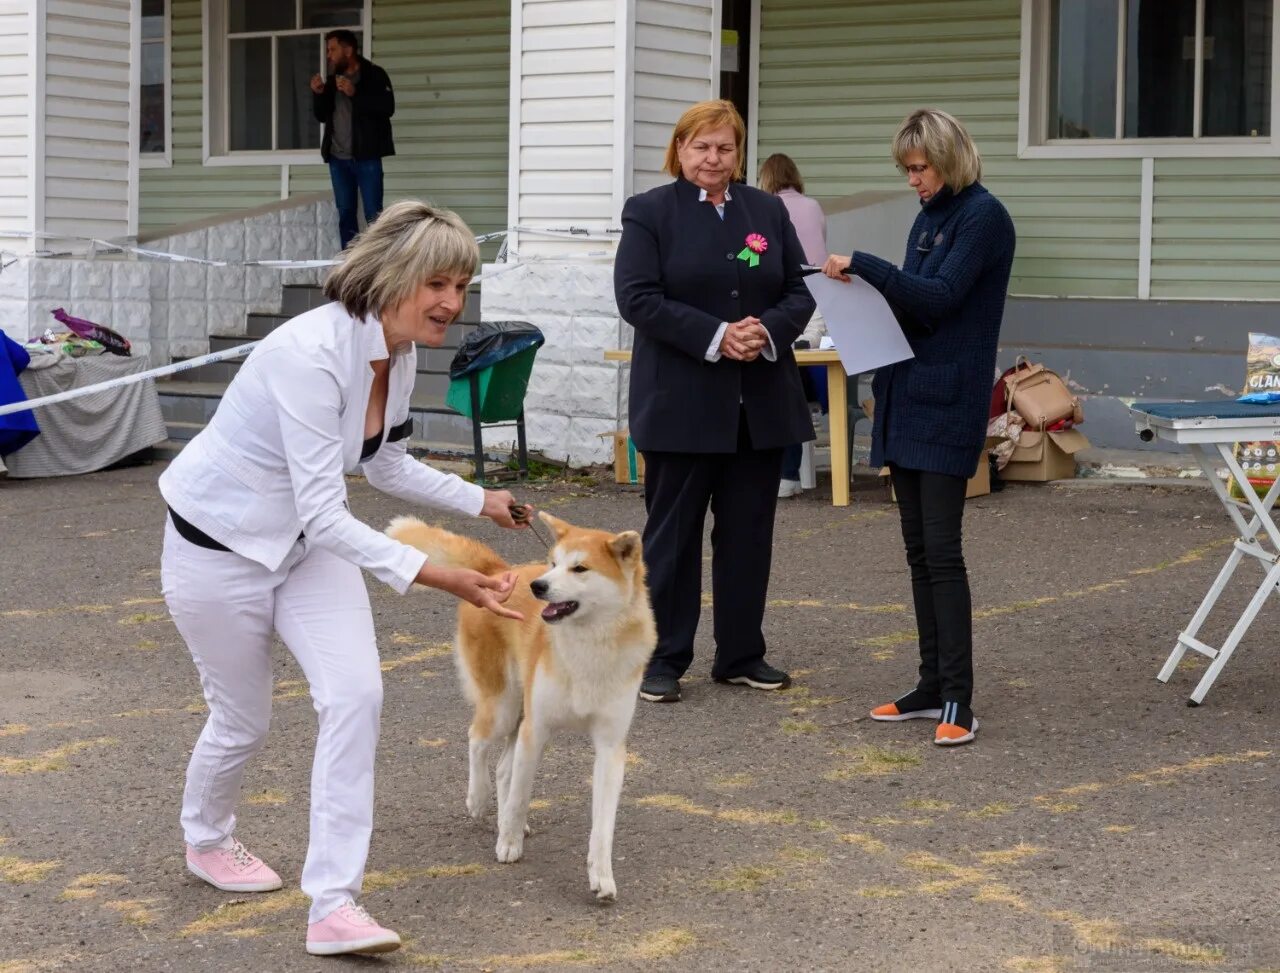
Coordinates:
x,y
837,77
449,62
1216,228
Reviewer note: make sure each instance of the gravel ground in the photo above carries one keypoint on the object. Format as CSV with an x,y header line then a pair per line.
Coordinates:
x,y
1098,823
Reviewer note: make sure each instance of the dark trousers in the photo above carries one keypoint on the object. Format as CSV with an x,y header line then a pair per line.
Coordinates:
x,y
931,506
352,177
742,491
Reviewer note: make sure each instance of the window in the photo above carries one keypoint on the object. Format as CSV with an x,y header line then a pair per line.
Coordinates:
x,y
153,93
1147,74
260,89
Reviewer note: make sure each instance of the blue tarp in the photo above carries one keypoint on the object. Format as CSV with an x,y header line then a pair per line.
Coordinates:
x,y
18,428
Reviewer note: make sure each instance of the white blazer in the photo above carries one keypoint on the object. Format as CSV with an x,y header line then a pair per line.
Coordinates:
x,y
270,463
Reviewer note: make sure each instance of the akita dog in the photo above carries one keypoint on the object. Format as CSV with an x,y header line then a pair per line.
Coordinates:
x,y
575,662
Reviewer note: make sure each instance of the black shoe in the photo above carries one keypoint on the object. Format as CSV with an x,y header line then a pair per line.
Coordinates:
x,y
759,676
660,689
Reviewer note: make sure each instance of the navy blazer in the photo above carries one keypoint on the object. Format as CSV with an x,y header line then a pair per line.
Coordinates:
x,y
677,276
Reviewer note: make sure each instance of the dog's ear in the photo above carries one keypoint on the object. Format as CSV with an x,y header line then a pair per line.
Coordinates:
x,y
557,526
626,545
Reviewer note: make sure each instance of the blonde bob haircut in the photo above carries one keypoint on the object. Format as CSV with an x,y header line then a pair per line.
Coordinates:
x,y
703,116
780,172
945,144
406,246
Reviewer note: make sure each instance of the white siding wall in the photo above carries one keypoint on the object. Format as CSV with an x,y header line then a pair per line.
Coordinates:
x,y
563,111
674,44
87,117
16,22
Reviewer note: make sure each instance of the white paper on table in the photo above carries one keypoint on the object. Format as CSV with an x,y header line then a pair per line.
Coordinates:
x,y
860,322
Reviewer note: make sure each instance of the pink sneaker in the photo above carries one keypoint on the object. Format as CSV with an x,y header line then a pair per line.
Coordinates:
x,y
349,929
232,869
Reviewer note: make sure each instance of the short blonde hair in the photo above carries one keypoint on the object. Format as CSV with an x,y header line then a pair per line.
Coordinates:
x,y
707,115
780,172
945,144
408,244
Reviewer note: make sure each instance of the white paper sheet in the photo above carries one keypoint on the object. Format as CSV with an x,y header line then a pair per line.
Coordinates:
x,y
859,321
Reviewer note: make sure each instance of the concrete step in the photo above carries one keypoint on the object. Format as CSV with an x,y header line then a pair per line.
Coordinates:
x,y
260,325
182,432
297,299
190,402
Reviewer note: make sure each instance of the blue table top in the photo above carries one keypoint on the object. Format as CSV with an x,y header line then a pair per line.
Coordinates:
x,y
1216,409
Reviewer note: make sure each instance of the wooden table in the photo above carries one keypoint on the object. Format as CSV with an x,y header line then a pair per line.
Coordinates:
x,y
838,415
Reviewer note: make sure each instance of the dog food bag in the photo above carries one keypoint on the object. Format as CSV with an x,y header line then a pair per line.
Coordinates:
x,y
1260,461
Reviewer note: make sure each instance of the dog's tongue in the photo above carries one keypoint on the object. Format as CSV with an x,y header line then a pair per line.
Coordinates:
x,y
558,609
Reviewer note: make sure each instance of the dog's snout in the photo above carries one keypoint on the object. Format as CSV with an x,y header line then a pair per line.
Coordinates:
x,y
539,588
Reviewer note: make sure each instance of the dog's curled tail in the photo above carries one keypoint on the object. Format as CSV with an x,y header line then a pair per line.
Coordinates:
x,y
445,549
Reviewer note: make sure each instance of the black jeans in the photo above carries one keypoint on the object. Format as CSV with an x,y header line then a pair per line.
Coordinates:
x,y
742,491
931,506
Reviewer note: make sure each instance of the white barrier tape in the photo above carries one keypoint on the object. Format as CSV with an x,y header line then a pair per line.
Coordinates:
x,y
567,233
123,380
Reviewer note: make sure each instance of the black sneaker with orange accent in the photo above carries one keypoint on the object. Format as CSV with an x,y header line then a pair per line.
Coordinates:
x,y
915,705
956,725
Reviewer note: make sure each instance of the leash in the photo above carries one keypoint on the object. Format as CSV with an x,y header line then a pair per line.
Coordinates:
x,y
520,514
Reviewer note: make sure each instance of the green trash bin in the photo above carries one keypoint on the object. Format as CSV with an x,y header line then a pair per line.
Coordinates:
x,y
501,387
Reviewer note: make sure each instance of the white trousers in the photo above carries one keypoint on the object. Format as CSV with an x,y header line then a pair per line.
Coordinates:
x,y
226,606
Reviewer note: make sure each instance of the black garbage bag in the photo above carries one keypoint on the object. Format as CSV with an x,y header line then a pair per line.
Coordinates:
x,y
492,342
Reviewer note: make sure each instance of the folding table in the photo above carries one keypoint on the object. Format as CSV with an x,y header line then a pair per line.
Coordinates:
x,y
1210,430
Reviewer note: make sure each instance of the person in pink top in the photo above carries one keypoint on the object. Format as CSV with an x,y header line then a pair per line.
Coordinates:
x,y
781,176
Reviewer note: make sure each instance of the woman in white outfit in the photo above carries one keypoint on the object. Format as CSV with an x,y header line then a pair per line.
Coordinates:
x,y
260,539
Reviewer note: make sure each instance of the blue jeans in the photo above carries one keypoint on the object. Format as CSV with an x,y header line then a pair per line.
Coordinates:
x,y
349,177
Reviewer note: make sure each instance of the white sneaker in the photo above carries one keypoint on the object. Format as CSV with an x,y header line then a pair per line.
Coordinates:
x,y
789,488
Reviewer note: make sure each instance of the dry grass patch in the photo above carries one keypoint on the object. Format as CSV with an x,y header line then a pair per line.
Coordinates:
x,y
748,878
239,912
433,744
1008,856
135,912
17,871
873,761
927,804
143,618
990,810
268,798
864,841
1001,895
799,727
14,729
883,892
663,944
86,886
1118,828
398,877
733,781
51,760
1185,952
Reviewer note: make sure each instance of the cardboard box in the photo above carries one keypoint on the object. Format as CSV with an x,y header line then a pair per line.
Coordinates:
x,y
979,484
1043,456
628,464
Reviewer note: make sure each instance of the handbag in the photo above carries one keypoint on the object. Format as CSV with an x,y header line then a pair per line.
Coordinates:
x,y
1039,395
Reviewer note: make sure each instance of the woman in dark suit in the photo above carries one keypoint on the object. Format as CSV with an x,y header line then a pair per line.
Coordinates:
x,y
931,411
708,274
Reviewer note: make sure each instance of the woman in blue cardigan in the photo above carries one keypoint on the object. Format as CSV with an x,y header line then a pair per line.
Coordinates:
x,y
931,410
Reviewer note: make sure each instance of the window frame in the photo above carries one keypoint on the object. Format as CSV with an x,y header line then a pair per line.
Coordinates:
x,y
158,160
215,121
1033,105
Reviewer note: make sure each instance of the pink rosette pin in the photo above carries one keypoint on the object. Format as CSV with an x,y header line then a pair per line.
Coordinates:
x,y
756,245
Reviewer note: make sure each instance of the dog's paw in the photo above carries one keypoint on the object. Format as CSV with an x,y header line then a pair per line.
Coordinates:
x,y
509,850
606,892
475,806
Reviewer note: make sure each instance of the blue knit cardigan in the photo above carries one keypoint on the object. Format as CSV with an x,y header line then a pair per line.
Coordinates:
x,y
931,410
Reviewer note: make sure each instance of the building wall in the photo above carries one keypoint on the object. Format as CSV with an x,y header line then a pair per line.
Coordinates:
x,y
673,70
448,62
837,76
15,115
88,125
564,157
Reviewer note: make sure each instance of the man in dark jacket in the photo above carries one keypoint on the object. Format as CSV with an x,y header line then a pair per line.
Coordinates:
x,y
355,105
